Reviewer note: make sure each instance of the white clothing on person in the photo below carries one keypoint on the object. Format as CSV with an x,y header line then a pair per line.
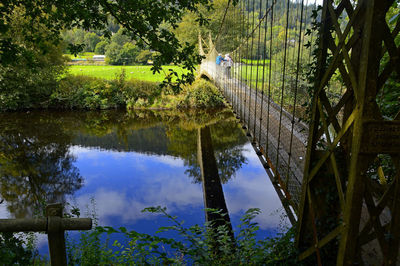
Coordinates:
x,y
228,61
228,64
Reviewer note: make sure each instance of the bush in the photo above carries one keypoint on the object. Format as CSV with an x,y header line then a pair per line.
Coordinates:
x,y
201,94
82,92
15,250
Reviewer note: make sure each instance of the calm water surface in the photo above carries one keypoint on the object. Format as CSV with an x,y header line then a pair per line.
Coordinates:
x,y
115,164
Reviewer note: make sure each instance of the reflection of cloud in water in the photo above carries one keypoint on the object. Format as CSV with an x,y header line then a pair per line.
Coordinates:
x,y
4,214
169,192
252,157
137,159
253,189
138,181
169,160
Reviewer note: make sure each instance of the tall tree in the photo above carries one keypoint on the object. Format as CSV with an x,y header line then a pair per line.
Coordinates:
x,y
29,61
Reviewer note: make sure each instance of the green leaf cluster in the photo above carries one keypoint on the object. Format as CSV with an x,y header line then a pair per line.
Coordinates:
x,y
200,245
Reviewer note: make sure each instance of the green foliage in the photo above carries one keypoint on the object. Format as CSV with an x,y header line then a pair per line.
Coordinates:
x,y
113,53
101,47
91,39
201,94
82,92
121,55
27,80
14,250
200,245
144,56
120,38
150,24
129,53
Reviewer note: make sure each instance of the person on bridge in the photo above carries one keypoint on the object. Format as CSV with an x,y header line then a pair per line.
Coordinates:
x,y
219,60
228,62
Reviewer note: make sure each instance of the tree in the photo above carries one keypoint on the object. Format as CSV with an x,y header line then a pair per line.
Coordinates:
x,y
91,39
120,38
29,73
113,54
101,47
144,56
145,22
128,53
229,34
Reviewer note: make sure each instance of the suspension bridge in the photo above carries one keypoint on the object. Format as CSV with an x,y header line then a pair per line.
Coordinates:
x,y
309,86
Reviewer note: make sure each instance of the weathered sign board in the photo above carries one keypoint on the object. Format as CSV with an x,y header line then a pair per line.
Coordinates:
x,y
381,137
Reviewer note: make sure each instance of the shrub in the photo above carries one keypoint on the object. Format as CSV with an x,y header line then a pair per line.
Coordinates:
x,y
82,92
201,94
201,245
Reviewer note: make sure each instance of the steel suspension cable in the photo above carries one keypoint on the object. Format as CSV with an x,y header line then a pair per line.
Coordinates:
x,y
251,68
242,28
258,25
236,55
232,75
222,22
283,83
237,59
295,89
269,81
247,56
263,75
302,52
256,98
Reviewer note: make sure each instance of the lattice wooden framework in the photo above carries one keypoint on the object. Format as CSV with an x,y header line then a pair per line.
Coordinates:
x,y
342,208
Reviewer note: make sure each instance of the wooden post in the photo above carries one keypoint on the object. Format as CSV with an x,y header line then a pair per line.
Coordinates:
x,y
54,225
55,234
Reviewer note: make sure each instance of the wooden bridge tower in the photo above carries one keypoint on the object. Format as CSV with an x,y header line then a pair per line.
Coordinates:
x,y
346,216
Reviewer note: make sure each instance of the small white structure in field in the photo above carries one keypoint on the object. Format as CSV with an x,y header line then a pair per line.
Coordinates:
x,y
99,57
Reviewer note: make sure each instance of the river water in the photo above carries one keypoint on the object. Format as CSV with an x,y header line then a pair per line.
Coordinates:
x,y
112,164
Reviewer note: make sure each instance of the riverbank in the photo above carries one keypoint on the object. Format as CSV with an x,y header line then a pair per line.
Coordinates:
x,y
91,93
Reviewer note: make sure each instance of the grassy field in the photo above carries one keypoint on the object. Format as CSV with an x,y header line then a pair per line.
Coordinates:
x,y
132,72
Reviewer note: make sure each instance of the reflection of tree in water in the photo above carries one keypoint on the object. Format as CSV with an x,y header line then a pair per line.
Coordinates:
x,y
36,166
228,140
35,163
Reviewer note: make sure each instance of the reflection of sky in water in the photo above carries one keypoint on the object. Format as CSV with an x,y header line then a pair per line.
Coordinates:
x,y
124,183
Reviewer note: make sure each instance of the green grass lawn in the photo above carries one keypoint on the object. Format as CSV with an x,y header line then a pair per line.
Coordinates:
x,y
132,72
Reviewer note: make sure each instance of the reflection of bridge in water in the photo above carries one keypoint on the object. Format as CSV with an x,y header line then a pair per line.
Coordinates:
x,y
338,175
